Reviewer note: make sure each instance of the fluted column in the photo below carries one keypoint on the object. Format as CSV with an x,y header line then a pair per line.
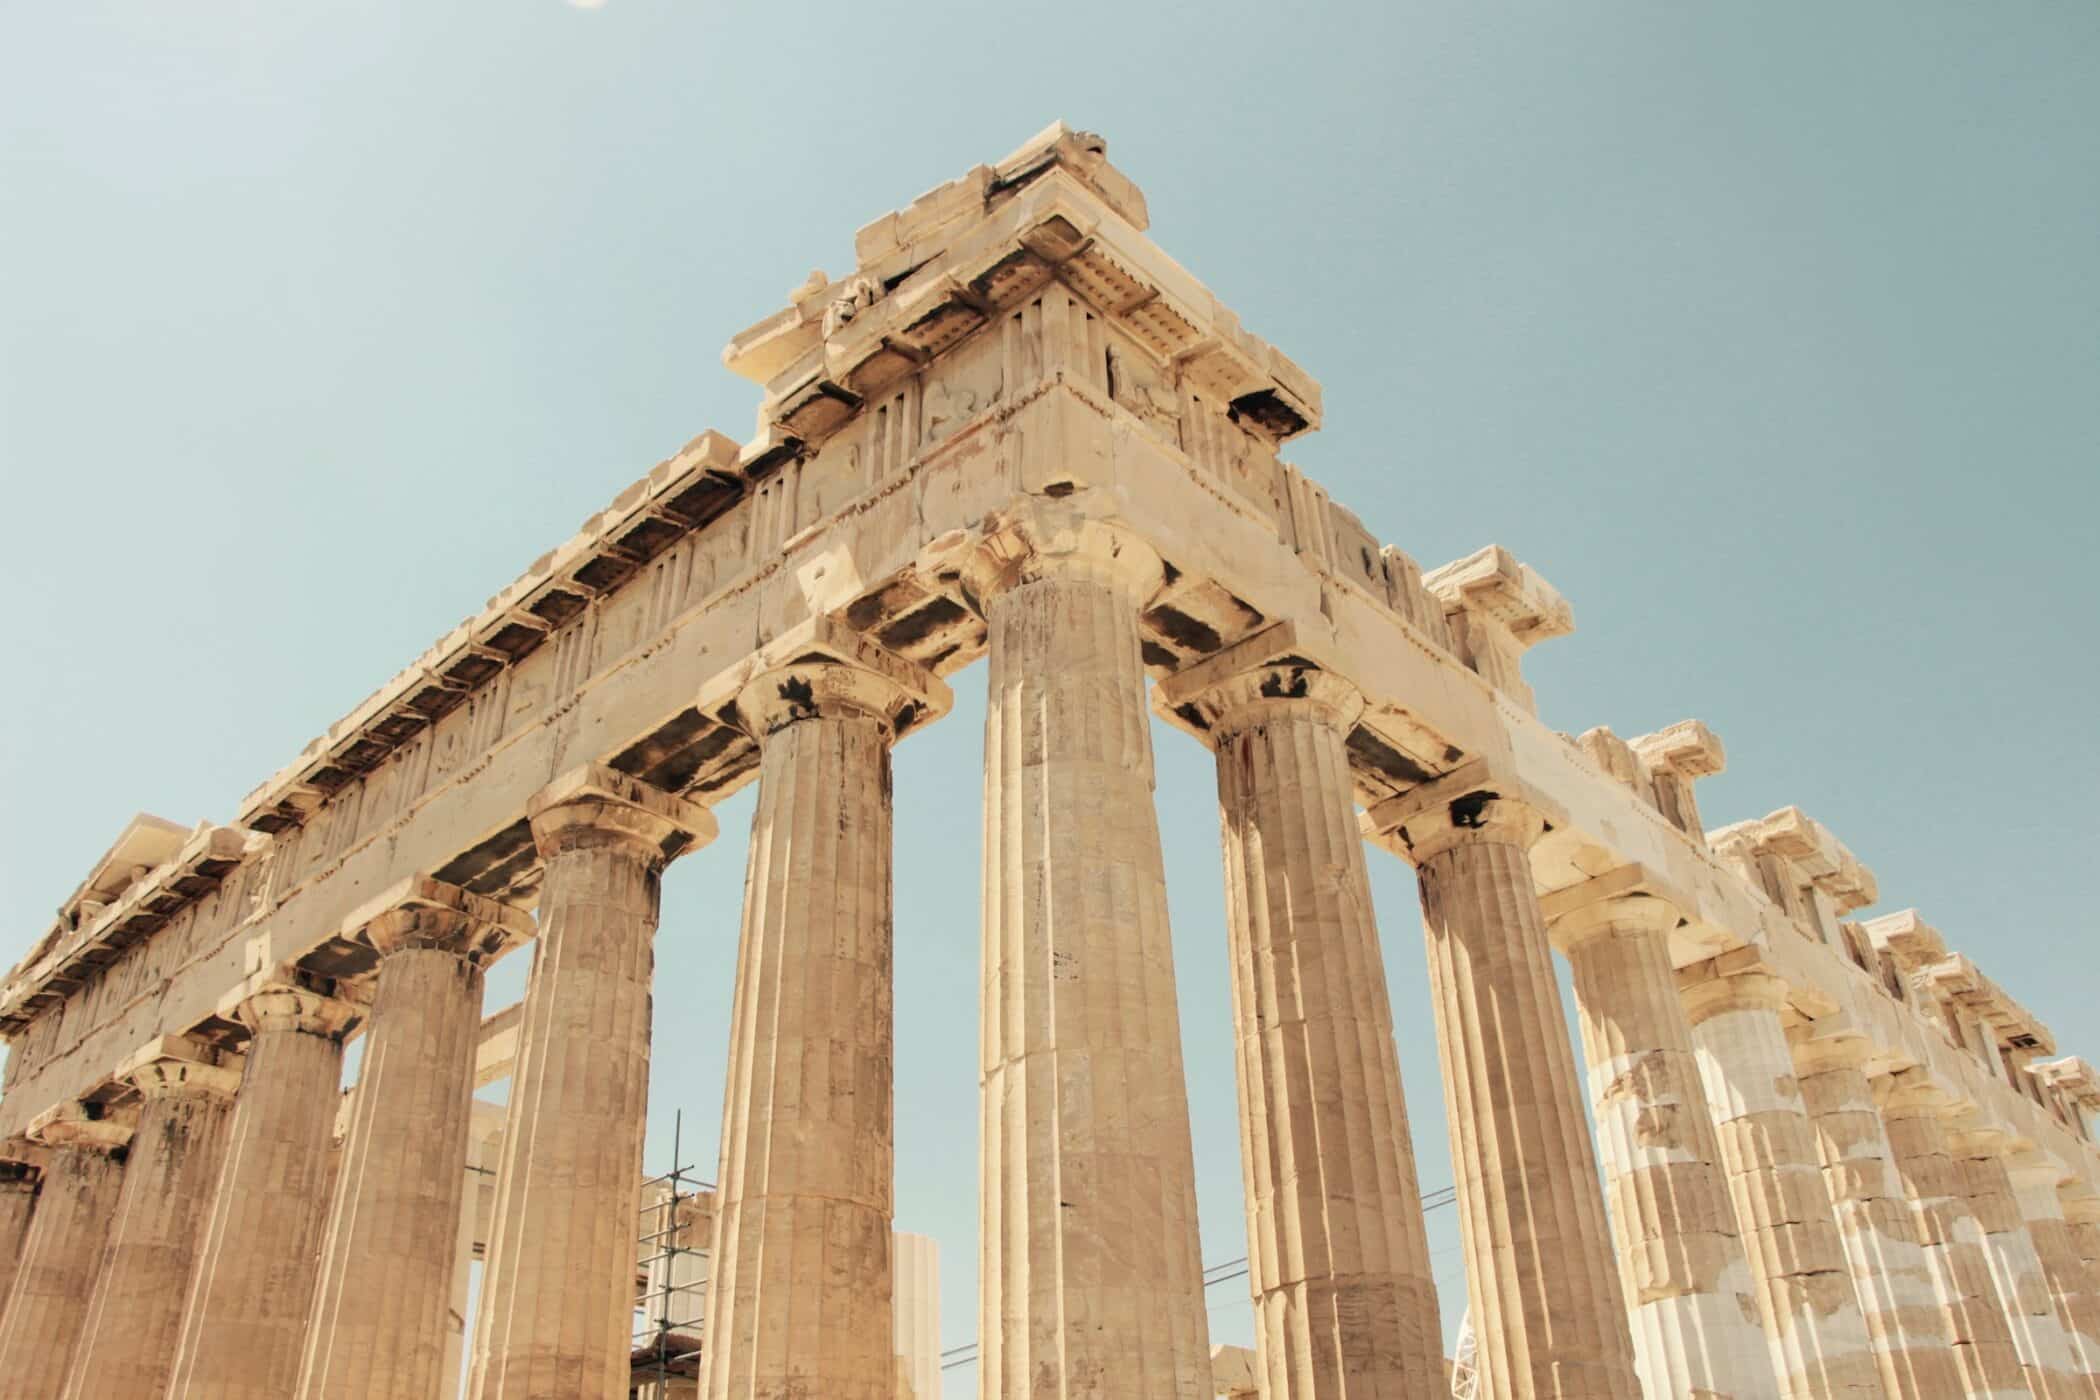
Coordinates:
x,y
134,1317
2072,1287
557,1292
62,1255
1911,1110
1345,1304
1818,1331
1690,1295
1547,1307
377,1328
17,1206
1906,1321
799,1297
245,1324
2016,1269
1091,1280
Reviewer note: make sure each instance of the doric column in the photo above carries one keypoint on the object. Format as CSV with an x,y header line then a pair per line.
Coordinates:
x,y
2072,1286
1905,1320
1911,1110
62,1255
799,1297
377,1329
1547,1307
557,1292
134,1317
1091,1280
1690,1295
1344,1300
245,1324
1820,1344
2016,1269
17,1206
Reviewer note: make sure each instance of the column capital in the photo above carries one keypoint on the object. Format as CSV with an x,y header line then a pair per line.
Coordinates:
x,y
832,670
289,1007
594,805
74,1125
1277,670
1707,994
1464,806
474,927
1611,904
1045,538
175,1066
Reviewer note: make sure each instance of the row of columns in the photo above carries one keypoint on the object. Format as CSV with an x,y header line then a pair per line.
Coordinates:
x,y
1784,1227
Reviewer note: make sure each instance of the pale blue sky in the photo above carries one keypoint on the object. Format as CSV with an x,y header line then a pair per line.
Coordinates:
x,y
1770,334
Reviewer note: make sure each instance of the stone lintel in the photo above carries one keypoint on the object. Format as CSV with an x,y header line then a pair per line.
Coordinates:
x,y
496,1052
907,694
492,927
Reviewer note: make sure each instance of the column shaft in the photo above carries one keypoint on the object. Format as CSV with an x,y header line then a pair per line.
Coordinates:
x,y
800,1290
60,1260
134,1318
1547,1306
246,1321
1091,1275
1691,1298
1906,1321
2016,1268
557,1297
1344,1300
17,1207
1820,1343
2071,1285
1953,1241
377,1329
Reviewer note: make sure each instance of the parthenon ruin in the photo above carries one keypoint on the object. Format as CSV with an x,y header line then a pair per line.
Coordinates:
x,y
1831,1157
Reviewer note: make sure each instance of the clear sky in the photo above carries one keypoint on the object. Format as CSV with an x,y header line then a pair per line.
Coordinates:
x,y
1770,334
